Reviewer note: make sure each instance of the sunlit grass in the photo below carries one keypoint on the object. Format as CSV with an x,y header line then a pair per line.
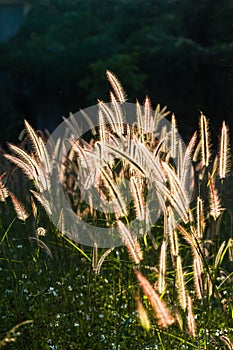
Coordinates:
x,y
170,288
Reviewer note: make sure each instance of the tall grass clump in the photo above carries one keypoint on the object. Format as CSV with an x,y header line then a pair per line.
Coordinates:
x,y
182,280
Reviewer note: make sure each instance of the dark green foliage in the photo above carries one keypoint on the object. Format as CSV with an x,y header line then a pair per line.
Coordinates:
x,y
180,50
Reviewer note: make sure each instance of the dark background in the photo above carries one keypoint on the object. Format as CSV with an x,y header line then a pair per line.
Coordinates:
x,y
179,52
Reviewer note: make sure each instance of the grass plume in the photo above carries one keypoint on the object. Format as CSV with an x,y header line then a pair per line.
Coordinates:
x,y
159,307
223,168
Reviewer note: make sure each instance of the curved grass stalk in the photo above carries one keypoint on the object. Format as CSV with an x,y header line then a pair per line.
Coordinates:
x,y
101,260
185,341
12,334
125,156
43,201
77,247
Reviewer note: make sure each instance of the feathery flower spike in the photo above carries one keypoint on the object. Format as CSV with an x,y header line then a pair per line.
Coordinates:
x,y
224,152
161,311
116,85
19,208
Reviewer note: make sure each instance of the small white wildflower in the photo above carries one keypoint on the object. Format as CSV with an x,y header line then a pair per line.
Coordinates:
x,y
52,291
8,291
41,231
50,344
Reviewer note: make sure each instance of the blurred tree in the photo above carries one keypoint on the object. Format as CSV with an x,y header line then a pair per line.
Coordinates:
x,y
177,51
122,65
